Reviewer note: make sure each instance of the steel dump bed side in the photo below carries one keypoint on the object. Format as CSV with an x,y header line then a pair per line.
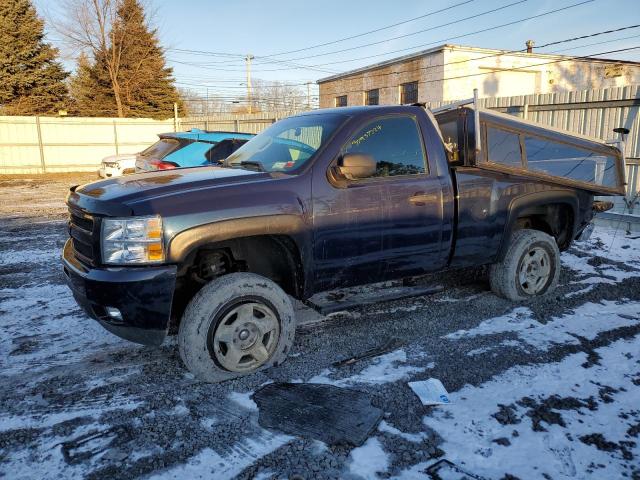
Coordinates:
x,y
525,149
515,170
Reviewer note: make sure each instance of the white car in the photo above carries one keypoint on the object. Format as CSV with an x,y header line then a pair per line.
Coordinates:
x,y
117,165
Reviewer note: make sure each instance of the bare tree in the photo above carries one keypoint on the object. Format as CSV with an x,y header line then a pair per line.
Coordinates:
x,y
198,105
272,96
115,33
87,25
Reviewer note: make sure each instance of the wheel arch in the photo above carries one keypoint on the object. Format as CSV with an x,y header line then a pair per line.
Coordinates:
x,y
554,212
271,246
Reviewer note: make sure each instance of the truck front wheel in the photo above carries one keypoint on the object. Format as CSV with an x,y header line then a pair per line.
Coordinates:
x,y
236,325
530,267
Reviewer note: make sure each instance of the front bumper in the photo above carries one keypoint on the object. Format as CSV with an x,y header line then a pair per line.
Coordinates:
x,y
143,296
108,172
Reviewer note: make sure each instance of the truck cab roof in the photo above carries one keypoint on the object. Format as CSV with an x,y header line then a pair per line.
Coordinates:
x,y
361,109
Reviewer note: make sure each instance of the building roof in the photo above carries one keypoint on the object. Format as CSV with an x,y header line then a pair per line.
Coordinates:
x,y
422,53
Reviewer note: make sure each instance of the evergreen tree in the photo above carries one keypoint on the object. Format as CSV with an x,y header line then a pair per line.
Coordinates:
x,y
32,81
127,76
146,83
90,89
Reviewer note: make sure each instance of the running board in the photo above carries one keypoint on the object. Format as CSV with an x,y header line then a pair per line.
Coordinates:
x,y
397,293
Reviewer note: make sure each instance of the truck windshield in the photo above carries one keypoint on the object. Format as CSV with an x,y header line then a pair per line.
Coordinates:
x,y
287,144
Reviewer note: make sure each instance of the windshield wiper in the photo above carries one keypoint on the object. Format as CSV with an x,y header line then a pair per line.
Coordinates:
x,y
257,166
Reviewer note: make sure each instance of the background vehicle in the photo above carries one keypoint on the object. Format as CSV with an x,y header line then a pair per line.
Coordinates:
x,y
117,165
184,149
189,149
327,199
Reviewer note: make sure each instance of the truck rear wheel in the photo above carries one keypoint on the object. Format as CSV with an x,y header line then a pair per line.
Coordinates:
x,y
236,325
530,267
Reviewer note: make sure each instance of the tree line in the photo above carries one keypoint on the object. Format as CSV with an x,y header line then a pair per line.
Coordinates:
x,y
121,70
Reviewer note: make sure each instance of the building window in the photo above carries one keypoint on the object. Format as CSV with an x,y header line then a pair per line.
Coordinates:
x,y
372,97
341,101
409,92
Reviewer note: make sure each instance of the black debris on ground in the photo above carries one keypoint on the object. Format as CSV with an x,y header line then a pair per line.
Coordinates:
x,y
327,413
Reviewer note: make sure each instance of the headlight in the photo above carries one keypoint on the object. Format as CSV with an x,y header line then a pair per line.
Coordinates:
x,y
132,240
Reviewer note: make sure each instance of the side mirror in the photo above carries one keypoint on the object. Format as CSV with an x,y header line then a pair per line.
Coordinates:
x,y
357,165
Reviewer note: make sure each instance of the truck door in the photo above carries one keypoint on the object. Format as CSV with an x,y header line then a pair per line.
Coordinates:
x,y
393,219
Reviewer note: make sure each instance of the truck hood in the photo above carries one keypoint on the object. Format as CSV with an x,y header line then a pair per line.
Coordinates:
x,y
118,196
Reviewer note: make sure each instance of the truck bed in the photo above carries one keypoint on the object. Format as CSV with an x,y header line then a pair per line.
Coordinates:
x,y
548,154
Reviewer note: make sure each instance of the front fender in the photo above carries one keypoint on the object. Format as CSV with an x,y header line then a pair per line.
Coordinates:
x,y
185,242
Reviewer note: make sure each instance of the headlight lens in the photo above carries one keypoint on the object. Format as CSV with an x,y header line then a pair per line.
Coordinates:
x,y
132,240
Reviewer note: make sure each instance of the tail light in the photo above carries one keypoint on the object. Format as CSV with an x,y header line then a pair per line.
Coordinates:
x,y
160,165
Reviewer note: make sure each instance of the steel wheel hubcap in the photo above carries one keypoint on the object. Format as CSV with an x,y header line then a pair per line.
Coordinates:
x,y
535,270
246,337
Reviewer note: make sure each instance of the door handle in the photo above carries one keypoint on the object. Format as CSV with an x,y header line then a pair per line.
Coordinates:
x,y
420,199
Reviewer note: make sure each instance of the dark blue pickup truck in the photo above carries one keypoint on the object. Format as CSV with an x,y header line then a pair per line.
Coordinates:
x,y
328,199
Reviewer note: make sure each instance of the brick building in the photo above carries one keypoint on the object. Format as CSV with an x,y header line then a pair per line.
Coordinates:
x,y
451,72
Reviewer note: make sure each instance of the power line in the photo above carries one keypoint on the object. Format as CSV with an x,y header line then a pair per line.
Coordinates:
x,y
453,22
505,52
502,53
292,66
269,59
234,97
202,52
267,85
550,12
565,59
580,58
318,66
371,31
596,43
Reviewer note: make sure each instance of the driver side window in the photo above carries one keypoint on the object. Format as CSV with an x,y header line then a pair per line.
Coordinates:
x,y
394,143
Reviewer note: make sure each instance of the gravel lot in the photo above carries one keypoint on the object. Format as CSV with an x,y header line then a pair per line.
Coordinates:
x,y
545,389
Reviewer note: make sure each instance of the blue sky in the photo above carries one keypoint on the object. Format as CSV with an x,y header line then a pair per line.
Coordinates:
x,y
231,29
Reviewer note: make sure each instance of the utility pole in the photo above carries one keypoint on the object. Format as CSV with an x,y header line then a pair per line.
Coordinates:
x,y
248,59
308,95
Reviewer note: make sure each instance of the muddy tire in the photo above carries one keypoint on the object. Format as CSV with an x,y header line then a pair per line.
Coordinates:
x,y
236,325
530,267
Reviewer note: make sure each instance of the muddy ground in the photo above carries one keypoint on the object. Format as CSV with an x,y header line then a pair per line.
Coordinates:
x,y
548,388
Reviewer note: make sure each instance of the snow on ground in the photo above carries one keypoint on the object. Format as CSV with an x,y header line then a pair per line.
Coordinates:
x,y
587,321
210,464
386,368
369,460
621,251
558,419
27,256
558,391
412,437
43,326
